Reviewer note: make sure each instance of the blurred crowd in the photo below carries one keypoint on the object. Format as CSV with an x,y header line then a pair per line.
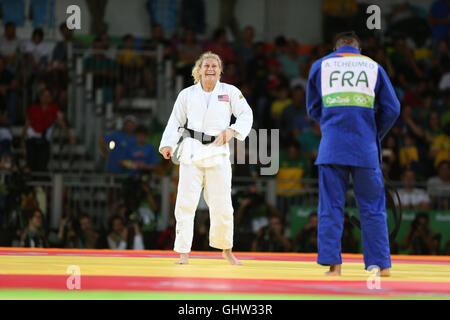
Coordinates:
x,y
272,76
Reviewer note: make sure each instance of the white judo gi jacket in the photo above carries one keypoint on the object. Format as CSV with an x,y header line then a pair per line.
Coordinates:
x,y
202,166
210,119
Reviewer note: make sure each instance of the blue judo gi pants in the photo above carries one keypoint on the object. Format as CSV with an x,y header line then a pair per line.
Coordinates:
x,y
370,195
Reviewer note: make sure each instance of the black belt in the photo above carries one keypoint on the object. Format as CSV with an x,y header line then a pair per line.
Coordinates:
x,y
200,136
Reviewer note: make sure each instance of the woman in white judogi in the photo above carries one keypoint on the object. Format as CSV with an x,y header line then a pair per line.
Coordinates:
x,y
207,107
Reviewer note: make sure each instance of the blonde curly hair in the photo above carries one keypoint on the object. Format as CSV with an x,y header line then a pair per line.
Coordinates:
x,y
198,65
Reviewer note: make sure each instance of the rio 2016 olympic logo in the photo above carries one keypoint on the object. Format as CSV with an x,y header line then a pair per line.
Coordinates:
x,y
360,100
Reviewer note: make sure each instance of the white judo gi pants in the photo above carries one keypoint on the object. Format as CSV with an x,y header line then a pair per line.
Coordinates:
x,y
216,182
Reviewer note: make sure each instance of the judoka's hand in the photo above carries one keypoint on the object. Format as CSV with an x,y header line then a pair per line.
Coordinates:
x,y
224,137
166,152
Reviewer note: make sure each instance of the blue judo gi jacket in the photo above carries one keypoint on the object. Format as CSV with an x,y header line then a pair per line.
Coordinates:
x,y
353,99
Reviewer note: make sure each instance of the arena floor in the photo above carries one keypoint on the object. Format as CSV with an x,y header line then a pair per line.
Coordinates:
x,y
107,274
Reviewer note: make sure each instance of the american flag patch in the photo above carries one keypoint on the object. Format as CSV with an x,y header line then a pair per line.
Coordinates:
x,y
224,97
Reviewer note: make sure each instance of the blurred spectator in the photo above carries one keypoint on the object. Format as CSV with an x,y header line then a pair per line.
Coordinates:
x,y
420,239
438,187
244,48
78,234
188,52
8,92
294,166
409,154
253,211
221,46
349,241
104,70
290,60
293,119
404,63
433,127
10,46
281,102
410,196
123,236
130,63
193,15
306,239
114,145
310,140
167,236
36,134
391,163
37,51
231,75
271,238
33,236
140,157
407,19
440,148
302,78
439,18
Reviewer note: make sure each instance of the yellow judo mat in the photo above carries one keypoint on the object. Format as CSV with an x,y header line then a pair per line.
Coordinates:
x,y
106,274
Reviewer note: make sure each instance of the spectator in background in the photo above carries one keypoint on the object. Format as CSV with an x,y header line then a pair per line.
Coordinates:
x,y
221,47
282,100
390,163
271,238
140,157
188,52
167,236
293,119
306,239
290,60
432,127
253,212
123,237
294,166
438,187
36,51
439,18
227,18
97,10
36,134
63,51
33,236
309,142
420,238
349,241
104,70
8,92
244,48
338,16
440,148
404,63
10,46
409,154
231,74
302,78
410,196
114,145
130,63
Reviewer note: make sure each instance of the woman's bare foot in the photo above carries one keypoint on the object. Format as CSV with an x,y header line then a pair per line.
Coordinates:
x,y
385,272
228,255
184,259
335,270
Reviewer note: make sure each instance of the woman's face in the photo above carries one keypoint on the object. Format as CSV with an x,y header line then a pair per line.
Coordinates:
x,y
434,120
210,70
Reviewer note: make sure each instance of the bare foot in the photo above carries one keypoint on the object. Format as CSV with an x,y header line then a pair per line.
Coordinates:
x,y
385,272
184,259
228,255
335,270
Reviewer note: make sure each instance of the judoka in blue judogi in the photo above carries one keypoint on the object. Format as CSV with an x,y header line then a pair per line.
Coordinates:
x,y
353,99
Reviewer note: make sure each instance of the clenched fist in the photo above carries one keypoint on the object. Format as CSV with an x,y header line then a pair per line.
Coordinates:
x,y
166,152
